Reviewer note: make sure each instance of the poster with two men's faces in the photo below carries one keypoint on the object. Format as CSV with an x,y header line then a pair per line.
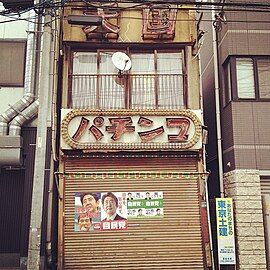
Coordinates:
x,y
111,210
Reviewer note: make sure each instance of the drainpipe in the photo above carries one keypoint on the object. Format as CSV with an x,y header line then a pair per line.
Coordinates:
x,y
217,104
53,157
11,145
34,260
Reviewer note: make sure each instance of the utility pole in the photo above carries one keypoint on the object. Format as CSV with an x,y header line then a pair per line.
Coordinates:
x,y
33,262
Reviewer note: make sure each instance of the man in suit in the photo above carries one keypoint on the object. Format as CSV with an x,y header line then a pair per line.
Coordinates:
x,y
84,222
90,202
110,204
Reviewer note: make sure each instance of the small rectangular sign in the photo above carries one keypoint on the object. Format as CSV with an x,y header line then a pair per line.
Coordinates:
x,y
225,231
145,205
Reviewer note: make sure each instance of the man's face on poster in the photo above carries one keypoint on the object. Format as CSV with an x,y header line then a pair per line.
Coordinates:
x,y
90,203
84,223
109,206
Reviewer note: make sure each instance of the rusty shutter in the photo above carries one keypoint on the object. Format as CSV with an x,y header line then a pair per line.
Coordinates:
x,y
173,242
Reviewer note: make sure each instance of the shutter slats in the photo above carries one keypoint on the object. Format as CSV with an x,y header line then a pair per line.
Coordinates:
x,y
171,242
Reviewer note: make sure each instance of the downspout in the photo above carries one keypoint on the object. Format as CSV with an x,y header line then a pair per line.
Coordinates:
x,y
53,157
217,103
28,95
32,77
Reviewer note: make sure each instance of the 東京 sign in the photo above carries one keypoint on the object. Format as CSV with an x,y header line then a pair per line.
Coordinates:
x,y
225,231
129,129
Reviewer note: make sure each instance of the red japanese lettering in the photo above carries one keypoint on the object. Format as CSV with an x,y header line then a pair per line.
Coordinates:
x,y
119,126
96,132
98,121
145,122
151,134
183,124
81,129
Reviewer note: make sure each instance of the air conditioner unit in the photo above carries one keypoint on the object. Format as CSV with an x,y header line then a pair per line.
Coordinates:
x,y
17,4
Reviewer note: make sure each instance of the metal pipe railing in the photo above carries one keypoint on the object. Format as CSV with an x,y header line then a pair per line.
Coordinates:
x,y
147,91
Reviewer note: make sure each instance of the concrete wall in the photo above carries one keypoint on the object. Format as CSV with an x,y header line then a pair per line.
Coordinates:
x,y
11,30
244,187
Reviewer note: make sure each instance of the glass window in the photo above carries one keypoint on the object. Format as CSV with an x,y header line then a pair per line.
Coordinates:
x,y
154,81
263,66
245,78
143,81
226,85
12,63
170,80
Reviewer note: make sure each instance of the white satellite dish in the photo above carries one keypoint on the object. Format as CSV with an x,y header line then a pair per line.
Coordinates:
x,y
121,61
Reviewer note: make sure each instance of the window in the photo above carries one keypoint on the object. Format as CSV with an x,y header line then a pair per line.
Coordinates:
x,y
247,78
227,97
12,63
156,80
264,77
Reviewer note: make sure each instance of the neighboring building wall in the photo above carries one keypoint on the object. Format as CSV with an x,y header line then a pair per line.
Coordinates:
x,y
10,31
245,132
240,141
244,187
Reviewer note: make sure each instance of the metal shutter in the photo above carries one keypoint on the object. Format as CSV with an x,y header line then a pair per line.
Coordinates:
x,y
173,242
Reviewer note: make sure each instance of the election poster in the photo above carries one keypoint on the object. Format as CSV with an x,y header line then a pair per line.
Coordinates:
x,y
225,231
87,211
147,204
113,211
98,211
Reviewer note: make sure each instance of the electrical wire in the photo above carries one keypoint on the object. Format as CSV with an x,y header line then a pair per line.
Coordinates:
x,y
198,6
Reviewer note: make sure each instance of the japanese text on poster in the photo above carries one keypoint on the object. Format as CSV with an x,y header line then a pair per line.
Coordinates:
x,y
100,211
111,210
225,231
145,205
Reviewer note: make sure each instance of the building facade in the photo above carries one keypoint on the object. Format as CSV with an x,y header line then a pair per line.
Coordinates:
x,y
20,56
131,139
244,90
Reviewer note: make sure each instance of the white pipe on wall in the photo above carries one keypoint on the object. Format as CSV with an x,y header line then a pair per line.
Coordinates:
x,y
28,96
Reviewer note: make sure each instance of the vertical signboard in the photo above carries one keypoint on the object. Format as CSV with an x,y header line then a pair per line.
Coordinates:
x,y
225,231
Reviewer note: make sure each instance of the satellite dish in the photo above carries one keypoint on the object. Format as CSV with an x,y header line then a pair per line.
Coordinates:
x,y
121,61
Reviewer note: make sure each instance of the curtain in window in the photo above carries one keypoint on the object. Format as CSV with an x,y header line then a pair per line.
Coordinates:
x,y
96,88
170,80
245,78
154,81
111,87
84,80
264,77
143,81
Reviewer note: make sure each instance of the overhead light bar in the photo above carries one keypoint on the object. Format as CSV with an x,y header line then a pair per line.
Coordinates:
x,y
84,20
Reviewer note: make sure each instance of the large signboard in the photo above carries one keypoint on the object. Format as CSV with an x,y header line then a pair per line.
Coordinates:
x,y
90,130
225,231
111,210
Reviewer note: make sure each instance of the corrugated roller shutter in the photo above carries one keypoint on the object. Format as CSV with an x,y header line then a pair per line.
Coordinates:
x,y
130,163
172,242
265,185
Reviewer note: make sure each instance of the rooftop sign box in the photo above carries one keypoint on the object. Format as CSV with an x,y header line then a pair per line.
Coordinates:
x,y
131,130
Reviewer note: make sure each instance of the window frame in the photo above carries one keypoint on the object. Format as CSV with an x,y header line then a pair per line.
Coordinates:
x,y
23,59
129,51
233,82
